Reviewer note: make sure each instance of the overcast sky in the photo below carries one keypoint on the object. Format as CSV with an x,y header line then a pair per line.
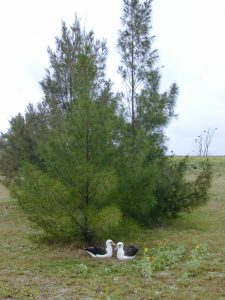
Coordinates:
x,y
190,38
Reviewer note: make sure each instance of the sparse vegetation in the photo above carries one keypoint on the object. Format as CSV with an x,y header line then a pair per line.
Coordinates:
x,y
203,142
188,257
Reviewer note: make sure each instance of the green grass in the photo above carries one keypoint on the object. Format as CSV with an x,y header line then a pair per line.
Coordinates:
x,y
185,260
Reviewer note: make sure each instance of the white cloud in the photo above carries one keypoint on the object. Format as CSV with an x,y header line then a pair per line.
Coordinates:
x,y
189,36
190,39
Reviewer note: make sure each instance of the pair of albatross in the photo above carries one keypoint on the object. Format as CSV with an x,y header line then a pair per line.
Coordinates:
x,y
123,253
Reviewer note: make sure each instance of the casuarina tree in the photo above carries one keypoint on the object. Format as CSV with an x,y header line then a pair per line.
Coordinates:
x,y
87,169
70,196
143,163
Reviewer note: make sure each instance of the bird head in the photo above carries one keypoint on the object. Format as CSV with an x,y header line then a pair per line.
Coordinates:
x,y
119,245
110,242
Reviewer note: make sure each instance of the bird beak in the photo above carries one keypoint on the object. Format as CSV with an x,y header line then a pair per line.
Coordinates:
x,y
113,244
116,248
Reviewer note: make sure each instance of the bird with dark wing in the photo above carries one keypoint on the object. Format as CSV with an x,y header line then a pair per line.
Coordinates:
x,y
99,252
124,253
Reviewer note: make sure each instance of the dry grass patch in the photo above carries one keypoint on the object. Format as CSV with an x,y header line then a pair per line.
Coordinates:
x,y
29,271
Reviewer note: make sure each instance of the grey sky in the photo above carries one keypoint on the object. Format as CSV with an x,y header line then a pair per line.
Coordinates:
x,y
190,37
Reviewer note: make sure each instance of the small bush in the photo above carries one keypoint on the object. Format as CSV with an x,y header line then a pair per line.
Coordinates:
x,y
168,257
196,259
164,257
174,193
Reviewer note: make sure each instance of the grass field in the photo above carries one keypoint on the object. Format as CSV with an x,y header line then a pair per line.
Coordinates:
x,y
185,260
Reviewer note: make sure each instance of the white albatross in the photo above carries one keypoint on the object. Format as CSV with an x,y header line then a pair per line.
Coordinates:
x,y
124,253
99,252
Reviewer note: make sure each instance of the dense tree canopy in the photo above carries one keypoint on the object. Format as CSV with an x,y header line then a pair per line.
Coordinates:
x,y
82,167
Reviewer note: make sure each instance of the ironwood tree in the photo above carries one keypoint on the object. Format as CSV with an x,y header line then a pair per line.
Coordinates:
x,y
145,190
85,168
69,195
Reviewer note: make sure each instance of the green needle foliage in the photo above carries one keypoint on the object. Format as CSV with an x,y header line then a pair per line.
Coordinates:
x,y
70,194
82,166
151,187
